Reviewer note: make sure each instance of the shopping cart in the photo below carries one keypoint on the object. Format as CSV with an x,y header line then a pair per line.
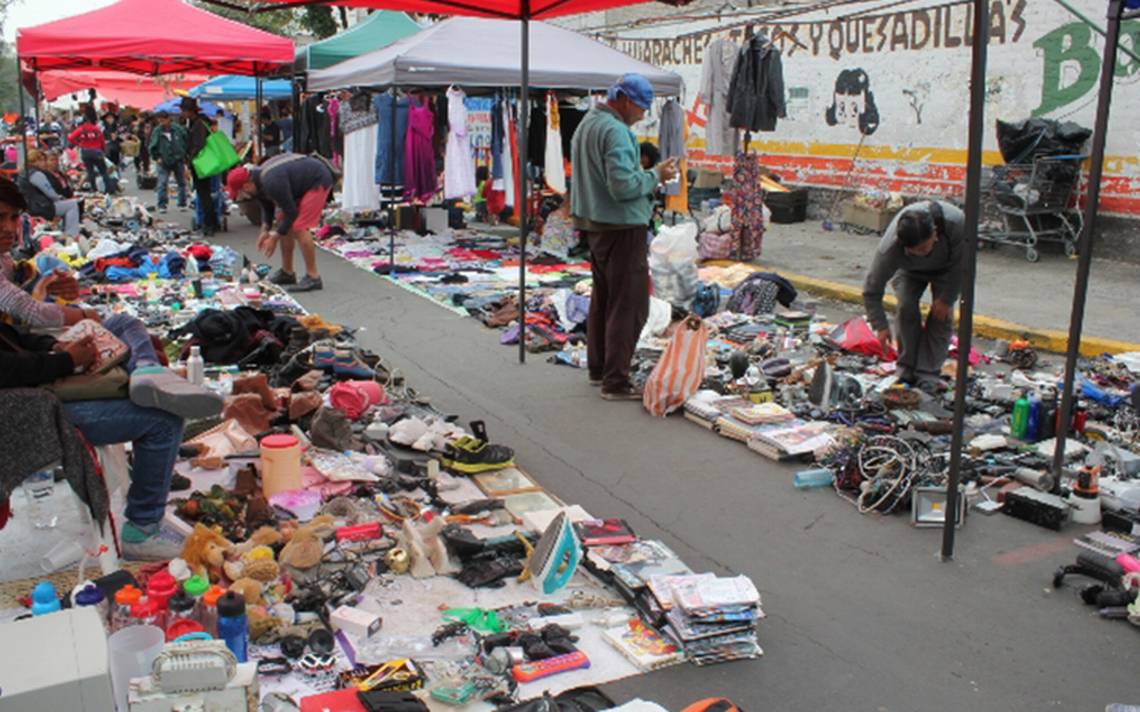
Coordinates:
x,y
220,207
1035,202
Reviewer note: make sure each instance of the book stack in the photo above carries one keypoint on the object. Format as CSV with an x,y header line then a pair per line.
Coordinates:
x,y
713,619
791,440
792,319
763,414
631,566
643,646
705,407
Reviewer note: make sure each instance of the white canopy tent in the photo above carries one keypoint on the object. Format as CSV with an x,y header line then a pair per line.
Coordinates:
x,y
476,52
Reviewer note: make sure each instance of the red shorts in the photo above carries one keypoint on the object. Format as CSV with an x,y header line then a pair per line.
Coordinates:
x,y
309,209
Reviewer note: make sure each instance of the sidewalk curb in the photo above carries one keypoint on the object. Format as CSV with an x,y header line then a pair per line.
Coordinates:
x,y
985,326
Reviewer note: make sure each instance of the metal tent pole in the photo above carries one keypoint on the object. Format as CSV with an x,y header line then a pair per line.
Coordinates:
x,y
392,207
524,214
23,123
259,144
1085,244
966,315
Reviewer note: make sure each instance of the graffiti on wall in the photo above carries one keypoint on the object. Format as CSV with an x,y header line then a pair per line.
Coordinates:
x,y
948,26
1071,62
853,103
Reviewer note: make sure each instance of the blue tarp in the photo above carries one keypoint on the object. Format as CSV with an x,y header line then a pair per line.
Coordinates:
x,y
173,106
232,87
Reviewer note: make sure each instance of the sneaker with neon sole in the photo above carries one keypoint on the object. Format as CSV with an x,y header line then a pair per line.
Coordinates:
x,y
151,542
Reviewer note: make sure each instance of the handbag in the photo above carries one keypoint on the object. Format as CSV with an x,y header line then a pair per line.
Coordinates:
x,y
715,245
216,157
679,373
110,385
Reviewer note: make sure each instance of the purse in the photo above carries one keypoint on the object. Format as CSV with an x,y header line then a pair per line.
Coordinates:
x,y
109,385
216,157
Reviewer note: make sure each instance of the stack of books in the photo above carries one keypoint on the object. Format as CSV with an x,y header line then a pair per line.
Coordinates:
x,y
792,440
763,414
706,407
712,619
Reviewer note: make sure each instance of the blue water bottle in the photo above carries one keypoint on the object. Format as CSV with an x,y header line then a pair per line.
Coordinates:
x,y
1033,420
233,626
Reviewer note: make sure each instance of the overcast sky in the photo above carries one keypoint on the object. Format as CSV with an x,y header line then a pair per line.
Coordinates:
x,y
25,13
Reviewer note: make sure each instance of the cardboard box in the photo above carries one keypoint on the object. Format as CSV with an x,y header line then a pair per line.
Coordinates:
x,y
875,219
708,179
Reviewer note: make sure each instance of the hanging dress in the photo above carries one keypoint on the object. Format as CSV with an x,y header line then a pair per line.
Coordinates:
x,y
419,156
359,192
458,163
747,197
553,167
511,141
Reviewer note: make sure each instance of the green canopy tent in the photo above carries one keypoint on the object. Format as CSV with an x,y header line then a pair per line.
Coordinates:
x,y
380,29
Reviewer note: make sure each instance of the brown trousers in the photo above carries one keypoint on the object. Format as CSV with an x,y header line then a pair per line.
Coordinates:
x,y
619,303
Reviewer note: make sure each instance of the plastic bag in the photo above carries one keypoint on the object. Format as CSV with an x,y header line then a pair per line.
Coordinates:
x,y
673,263
680,371
855,335
216,157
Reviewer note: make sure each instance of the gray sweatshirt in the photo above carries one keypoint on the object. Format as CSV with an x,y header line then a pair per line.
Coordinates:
x,y
281,183
942,267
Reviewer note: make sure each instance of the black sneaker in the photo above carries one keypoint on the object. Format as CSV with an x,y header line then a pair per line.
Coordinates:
x,y
307,284
281,277
179,482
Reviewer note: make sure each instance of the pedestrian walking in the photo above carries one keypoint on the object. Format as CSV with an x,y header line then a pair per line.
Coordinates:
x,y
609,200
922,247
168,143
293,188
198,131
88,138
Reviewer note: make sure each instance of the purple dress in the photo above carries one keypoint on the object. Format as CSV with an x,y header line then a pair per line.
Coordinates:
x,y
419,155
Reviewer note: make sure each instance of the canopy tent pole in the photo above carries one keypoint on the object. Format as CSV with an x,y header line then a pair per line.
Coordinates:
x,y
524,172
23,123
1085,244
392,205
966,316
259,145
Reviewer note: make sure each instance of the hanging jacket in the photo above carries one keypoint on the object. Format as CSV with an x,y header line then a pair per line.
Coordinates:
x,y
756,94
199,131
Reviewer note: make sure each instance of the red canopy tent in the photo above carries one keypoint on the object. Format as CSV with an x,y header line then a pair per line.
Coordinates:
x,y
119,87
523,10
153,37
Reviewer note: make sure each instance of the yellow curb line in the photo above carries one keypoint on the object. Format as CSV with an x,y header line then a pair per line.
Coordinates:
x,y
985,326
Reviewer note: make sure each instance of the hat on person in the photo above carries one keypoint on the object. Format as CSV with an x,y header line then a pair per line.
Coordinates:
x,y
237,178
188,103
636,87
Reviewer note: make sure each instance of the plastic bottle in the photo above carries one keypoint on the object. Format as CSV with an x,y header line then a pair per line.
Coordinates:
x,y
146,612
91,597
195,367
1020,417
815,477
1047,423
210,609
44,599
1033,419
181,615
160,587
195,587
233,626
125,597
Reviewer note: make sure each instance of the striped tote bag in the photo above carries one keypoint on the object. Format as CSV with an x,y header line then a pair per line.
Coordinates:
x,y
680,371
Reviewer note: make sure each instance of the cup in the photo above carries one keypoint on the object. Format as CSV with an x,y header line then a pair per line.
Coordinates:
x,y
61,555
132,651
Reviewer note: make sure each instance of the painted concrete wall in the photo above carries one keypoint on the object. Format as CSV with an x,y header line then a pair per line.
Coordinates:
x,y
1043,61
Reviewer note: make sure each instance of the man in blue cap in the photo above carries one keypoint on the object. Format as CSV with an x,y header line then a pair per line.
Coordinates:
x,y
610,202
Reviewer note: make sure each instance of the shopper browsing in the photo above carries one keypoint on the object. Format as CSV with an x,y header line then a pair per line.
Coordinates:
x,y
88,138
151,418
921,247
294,188
168,149
609,200
199,131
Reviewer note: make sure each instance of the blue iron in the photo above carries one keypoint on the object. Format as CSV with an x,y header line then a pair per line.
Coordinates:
x,y
555,557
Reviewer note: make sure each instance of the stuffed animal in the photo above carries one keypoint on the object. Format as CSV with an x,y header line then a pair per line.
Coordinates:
x,y
205,550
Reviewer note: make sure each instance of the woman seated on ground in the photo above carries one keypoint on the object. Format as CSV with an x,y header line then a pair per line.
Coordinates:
x,y
45,195
150,418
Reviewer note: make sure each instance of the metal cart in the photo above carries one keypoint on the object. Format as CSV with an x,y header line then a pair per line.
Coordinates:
x,y
1036,202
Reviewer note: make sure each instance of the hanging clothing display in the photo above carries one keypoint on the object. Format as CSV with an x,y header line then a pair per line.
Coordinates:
x,y
553,165
459,165
336,138
514,191
716,78
671,141
677,200
536,133
497,135
312,131
419,155
386,173
358,124
510,141
747,199
756,95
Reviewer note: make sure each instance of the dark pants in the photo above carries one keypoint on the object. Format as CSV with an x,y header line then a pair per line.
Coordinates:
x,y
619,303
922,347
95,163
206,207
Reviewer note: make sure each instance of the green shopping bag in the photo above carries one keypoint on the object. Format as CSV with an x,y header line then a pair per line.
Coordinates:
x,y
216,157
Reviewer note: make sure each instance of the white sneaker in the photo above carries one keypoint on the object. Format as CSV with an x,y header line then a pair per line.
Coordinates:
x,y
154,542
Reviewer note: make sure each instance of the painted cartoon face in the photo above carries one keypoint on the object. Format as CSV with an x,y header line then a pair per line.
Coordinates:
x,y
848,107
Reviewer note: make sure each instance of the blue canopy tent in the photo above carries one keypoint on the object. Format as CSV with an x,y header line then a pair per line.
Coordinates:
x,y
173,106
232,87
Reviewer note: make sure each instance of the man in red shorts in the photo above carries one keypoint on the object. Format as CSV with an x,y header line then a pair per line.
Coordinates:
x,y
295,188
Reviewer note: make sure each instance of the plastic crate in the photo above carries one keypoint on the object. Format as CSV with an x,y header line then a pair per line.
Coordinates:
x,y
789,207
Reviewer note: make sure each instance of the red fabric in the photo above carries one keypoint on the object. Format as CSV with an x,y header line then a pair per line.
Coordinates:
x,y
119,87
5,512
855,335
502,9
153,37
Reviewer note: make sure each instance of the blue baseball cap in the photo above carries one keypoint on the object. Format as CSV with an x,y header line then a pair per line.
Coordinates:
x,y
636,87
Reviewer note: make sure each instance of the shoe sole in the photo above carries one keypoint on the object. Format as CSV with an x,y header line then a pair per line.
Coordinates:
x,y
190,407
595,383
624,396
469,468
